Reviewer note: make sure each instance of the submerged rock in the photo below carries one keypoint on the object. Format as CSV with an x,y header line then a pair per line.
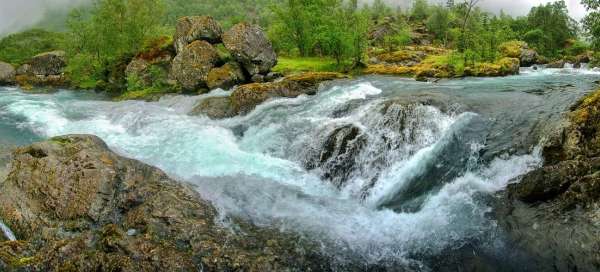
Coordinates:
x,y
7,74
194,28
73,203
214,108
246,97
249,45
192,65
338,154
553,211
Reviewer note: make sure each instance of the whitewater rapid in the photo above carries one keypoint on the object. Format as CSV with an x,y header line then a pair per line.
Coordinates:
x,y
253,166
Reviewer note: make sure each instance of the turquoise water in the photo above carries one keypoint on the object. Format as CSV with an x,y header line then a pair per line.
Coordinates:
x,y
470,139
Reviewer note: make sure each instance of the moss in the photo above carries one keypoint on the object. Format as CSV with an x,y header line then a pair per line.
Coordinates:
x,y
389,70
512,49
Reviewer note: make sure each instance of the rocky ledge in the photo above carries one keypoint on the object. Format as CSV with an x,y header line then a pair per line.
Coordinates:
x,y
554,212
245,98
77,206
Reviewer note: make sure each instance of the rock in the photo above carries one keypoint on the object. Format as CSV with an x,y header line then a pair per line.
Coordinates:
x,y
7,74
214,108
337,154
273,76
553,211
258,78
248,44
72,202
194,28
246,97
556,64
46,64
226,76
151,68
192,65
528,57
24,69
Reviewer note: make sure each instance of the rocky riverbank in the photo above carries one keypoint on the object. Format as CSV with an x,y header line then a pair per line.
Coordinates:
x,y
75,205
554,212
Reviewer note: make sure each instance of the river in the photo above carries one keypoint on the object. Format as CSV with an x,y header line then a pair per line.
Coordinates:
x,y
416,183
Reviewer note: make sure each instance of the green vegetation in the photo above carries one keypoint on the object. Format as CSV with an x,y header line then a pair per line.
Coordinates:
x,y
289,65
309,35
20,47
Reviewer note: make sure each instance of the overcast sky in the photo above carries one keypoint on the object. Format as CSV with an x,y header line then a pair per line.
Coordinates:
x,y
16,15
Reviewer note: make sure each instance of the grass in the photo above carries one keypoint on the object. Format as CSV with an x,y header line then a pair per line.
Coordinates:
x,y
291,65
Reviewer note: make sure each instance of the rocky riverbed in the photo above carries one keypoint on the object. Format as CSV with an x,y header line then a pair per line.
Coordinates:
x,y
374,173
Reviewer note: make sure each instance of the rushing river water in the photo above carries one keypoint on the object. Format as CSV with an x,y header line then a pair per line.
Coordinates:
x,y
420,176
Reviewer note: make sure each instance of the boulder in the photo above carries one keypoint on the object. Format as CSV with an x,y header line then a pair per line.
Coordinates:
x,y
556,64
249,45
337,155
46,64
214,108
7,74
528,57
191,66
226,76
521,51
77,206
193,28
246,97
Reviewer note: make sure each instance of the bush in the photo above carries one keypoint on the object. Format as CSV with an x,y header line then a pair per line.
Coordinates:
x,y
18,48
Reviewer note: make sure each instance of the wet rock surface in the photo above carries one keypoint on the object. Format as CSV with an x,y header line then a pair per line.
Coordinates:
x,y
246,97
214,108
554,211
77,206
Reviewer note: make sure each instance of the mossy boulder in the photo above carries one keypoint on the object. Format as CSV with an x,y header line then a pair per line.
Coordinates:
x,y
193,28
7,74
192,65
249,45
519,50
246,97
77,206
226,76
49,63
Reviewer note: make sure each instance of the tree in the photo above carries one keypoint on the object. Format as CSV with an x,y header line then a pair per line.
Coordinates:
x,y
468,6
439,23
591,22
550,27
420,10
107,32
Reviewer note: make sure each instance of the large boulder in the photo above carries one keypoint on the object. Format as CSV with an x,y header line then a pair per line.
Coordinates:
x,y
195,28
151,67
246,97
214,107
249,45
226,76
49,63
77,206
7,74
192,65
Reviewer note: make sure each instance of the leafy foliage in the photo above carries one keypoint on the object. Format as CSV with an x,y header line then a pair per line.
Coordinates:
x,y
20,47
